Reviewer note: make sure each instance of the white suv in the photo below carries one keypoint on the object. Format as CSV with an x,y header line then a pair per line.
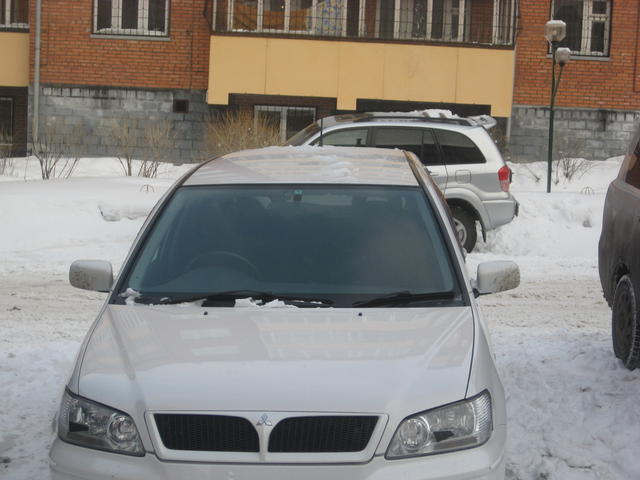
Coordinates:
x,y
458,153
289,313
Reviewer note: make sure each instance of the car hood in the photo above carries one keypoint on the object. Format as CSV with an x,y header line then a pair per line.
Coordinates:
x,y
149,358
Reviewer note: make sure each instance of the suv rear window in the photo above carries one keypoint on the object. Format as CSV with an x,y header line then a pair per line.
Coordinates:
x,y
458,149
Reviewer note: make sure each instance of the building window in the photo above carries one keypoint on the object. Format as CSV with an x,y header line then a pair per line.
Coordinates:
x,y
14,14
588,25
288,120
131,17
319,17
462,21
6,120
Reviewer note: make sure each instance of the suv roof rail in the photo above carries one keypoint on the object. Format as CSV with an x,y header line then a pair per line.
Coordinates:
x,y
485,121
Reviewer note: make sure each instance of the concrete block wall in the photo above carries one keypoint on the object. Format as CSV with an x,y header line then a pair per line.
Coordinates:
x,y
94,115
586,133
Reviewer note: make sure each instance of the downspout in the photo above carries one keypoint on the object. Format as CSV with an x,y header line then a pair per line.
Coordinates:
x,y
36,76
635,60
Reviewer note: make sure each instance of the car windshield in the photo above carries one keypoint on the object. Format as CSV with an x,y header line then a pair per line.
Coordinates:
x,y
342,245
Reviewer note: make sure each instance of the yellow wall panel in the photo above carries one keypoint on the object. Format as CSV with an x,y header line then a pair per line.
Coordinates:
x,y
300,67
360,74
488,75
14,59
419,73
236,67
351,70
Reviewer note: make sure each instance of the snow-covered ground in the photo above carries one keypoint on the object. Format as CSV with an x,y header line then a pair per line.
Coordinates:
x,y
572,406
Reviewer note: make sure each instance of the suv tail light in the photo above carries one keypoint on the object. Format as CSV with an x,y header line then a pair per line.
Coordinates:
x,y
504,175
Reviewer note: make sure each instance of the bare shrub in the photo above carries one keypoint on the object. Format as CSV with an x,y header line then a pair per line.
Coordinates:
x,y
238,130
124,134
6,146
58,154
568,165
159,137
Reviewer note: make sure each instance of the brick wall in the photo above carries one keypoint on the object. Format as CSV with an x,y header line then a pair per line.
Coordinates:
x,y
71,55
609,83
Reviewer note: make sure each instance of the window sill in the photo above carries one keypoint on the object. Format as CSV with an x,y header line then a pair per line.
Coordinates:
x,y
128,36
589,58
14,28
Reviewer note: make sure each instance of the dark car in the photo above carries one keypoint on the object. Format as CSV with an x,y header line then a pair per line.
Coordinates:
x,y
619,257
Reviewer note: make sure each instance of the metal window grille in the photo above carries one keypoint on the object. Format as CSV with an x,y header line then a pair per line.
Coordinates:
x,y
14,14
457,21
131,17
288,120
588,25
6,119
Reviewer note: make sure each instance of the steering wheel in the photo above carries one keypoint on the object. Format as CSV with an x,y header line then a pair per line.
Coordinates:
x,y
221,257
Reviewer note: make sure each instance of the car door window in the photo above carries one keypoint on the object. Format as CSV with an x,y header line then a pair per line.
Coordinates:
x,y
417,140
458,149
352,137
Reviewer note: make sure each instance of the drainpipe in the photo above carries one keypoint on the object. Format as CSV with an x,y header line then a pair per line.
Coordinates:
x,y
36,76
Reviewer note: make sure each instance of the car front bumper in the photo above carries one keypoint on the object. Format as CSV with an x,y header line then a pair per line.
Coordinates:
x,y
69,462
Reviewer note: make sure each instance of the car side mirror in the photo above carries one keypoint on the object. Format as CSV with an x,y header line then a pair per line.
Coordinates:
x,y
499,276
96,275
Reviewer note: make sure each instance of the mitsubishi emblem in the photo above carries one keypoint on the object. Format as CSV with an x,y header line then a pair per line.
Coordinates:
x,y
264,420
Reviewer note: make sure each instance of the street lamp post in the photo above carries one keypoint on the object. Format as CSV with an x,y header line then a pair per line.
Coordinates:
x,y
554,32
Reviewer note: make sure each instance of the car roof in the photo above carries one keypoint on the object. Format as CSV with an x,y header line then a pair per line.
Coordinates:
x,y
320,165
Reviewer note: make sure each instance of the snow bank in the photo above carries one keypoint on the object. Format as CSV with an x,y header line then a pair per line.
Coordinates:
x,y
95,214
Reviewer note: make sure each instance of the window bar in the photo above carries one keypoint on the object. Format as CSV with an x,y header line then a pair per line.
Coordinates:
x,y
362,28
287,13
607,27
429,28
343,32
496,21
314,17
461,15
260,19
396,19
230,7
585,43
7,12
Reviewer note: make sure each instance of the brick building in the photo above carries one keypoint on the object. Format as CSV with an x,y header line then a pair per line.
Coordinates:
x,y
109,64
106,64
598,99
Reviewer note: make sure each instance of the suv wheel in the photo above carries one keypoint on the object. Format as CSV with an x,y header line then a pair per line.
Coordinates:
x,y
625,324
465,225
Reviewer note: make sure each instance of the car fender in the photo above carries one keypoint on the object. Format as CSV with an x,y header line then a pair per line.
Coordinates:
x,y
466,198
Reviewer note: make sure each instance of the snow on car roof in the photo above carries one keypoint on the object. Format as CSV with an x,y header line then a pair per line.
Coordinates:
x,y
343,165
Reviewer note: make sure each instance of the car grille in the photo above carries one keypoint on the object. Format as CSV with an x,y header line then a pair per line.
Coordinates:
x,y
209,433
322,434
223,433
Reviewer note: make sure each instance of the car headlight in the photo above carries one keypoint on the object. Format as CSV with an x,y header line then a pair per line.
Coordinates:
x,y
89,424
457,426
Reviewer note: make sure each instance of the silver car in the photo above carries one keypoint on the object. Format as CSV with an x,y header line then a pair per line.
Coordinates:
x,y
457,152
289,313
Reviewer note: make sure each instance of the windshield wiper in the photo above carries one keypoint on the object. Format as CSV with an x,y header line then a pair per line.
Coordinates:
x,y
405,297
264,297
